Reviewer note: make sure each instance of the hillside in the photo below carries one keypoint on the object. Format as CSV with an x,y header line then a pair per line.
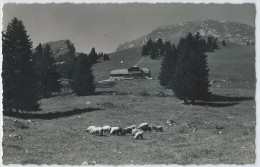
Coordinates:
x,y
193,138
225,62
227,30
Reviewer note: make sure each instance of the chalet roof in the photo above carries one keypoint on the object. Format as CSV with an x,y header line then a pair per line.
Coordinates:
x,y
145,70
119,71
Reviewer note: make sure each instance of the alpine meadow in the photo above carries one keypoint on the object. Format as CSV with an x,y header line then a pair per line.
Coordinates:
x,y
121,84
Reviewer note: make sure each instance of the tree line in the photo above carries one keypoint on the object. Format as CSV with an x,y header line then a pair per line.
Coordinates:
x,y
158,48
185,69
29,75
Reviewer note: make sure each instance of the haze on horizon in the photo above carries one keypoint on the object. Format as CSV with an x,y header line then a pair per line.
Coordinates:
x,y
105,26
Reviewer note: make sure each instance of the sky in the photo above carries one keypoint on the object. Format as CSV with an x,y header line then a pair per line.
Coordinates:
x,y
105,26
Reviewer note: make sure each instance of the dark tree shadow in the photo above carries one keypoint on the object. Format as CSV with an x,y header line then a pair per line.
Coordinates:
x,y
49,115
221,101
210,104
105,93
218,98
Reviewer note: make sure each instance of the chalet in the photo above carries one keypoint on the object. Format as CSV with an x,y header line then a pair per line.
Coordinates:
x,y
132,73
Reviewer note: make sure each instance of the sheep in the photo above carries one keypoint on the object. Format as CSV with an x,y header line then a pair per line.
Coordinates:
x,y
157,128
132,126
139,135
97,130
90,128
148,128
127,130
106,129
134,131
115,130
142,125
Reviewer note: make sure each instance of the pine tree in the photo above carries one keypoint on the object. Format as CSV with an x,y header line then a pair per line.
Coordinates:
x,y
144,51
83,81
154,52
168,64
19,78
106,57
190,79
39,68
160,46
46,69
224,43
149,46
52,76
215,43
210,47
93,57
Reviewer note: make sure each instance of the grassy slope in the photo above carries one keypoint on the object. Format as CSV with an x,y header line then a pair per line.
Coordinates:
x,y
193,139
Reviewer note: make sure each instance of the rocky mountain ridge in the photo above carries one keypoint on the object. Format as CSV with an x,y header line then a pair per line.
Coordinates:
x,y
223,30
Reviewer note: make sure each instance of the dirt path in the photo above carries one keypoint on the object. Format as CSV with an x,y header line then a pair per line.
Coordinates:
x,y
139,61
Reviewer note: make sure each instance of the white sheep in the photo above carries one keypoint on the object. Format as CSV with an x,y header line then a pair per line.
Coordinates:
x,y
132,126
89,128
106,129
115,130
144,127
134,131
97,130
139,135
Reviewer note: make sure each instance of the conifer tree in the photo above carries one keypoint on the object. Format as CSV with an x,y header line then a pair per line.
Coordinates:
x,y
144,51
83,81
190,77
154,52
39,68
46,69
149,46
224,43
210,47
93,57
18,76
160,46
106,57
215,43
52,76
168,64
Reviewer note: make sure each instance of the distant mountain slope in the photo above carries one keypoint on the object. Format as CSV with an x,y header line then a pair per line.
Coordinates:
x,y
230,31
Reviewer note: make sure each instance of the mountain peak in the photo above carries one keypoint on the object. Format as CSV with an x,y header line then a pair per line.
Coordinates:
x,y
223,30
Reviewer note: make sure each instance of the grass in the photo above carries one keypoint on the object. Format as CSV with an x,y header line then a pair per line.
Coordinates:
x,y
194,138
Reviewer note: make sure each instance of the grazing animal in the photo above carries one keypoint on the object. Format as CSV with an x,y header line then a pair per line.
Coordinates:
x,y
142,125
169,121
90,128
106,129
157,128
115,131
127,130
139,135
148,128
97,131
132,126
134,131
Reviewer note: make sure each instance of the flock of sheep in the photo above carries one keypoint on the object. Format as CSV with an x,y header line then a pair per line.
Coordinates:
x,y
131,130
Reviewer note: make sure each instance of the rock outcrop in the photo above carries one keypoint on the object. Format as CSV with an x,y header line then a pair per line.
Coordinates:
x,y
63,50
